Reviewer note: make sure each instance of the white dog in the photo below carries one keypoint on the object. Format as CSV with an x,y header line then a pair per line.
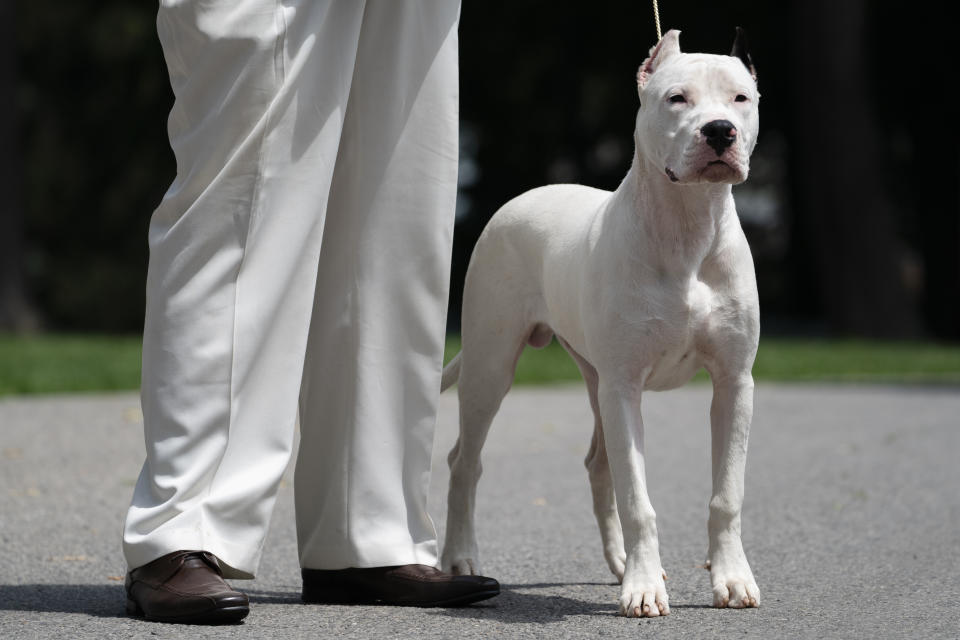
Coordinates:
x,y
642,286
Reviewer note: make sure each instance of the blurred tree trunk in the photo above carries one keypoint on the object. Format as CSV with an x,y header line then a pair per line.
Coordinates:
x,y
15,311
856,256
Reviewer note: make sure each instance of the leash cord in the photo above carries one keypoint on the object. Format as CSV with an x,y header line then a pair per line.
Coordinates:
x,y
656,19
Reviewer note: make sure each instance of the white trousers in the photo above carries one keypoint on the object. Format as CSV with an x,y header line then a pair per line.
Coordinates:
x,y
300,260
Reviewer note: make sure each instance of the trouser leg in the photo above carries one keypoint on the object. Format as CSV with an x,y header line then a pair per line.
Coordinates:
x,y
372,376
260,89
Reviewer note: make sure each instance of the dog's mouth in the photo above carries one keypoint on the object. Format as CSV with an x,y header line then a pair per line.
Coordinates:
x,y
718,171
712,171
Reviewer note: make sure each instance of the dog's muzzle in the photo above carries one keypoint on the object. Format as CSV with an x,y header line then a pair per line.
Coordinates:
x,y
719,134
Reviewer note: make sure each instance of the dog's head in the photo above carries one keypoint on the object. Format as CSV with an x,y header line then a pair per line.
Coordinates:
x,y
698,112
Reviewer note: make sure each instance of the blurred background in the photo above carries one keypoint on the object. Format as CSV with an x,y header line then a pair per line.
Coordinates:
x,y
852,208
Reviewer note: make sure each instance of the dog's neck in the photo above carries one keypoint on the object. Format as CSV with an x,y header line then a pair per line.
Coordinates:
x,y
676,224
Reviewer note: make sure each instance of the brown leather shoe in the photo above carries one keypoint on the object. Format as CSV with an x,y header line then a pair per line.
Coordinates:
x,y
409,585
185,587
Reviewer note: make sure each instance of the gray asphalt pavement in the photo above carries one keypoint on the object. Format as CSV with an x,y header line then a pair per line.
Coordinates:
x,y
851,523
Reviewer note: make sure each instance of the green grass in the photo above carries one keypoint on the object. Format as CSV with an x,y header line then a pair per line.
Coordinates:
x,y
857,361
68,363
76,363
789,360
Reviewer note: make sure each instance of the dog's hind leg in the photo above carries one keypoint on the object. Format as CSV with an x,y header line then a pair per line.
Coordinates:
x,y
601,482
488,362
601,485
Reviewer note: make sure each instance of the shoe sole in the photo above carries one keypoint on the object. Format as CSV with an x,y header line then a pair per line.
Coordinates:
x,y
223,615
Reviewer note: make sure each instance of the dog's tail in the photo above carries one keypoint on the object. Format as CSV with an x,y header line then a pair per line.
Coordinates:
x,y
451,373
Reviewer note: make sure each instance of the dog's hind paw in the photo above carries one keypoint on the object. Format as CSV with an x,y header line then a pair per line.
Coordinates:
x,y
617,564
462,567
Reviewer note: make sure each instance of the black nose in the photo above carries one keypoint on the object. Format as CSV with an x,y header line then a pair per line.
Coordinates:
x,y
720,134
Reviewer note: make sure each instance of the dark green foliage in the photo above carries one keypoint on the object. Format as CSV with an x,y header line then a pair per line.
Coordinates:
x,y
548,95
92,99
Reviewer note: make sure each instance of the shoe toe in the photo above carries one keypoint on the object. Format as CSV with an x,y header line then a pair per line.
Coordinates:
x,y
479,582
230,599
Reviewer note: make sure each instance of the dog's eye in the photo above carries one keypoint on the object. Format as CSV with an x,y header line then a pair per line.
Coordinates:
x,y
677,99
740,98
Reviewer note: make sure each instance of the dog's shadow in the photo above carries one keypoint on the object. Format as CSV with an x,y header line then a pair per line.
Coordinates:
x,y
520,603
538,602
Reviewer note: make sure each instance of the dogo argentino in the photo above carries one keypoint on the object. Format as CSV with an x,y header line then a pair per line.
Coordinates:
x,y
643,287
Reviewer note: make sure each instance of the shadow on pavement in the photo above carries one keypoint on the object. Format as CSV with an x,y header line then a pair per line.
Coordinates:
x,y
101,600
515,605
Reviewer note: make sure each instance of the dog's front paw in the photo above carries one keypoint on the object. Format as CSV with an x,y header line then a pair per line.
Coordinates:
x,y
644,597
732,582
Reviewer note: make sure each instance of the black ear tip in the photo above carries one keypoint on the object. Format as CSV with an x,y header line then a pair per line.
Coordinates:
x,y
741,49
740,41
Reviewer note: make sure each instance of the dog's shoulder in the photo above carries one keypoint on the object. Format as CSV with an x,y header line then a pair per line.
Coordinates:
x,y
551,204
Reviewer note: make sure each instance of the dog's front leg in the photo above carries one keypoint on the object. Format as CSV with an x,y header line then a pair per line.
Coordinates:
x,y
643,592
730,415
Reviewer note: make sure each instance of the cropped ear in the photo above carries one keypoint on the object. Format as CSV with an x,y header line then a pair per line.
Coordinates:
x,y
742,51
668,46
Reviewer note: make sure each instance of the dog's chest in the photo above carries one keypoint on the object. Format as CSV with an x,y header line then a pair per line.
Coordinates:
x,y
676,321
